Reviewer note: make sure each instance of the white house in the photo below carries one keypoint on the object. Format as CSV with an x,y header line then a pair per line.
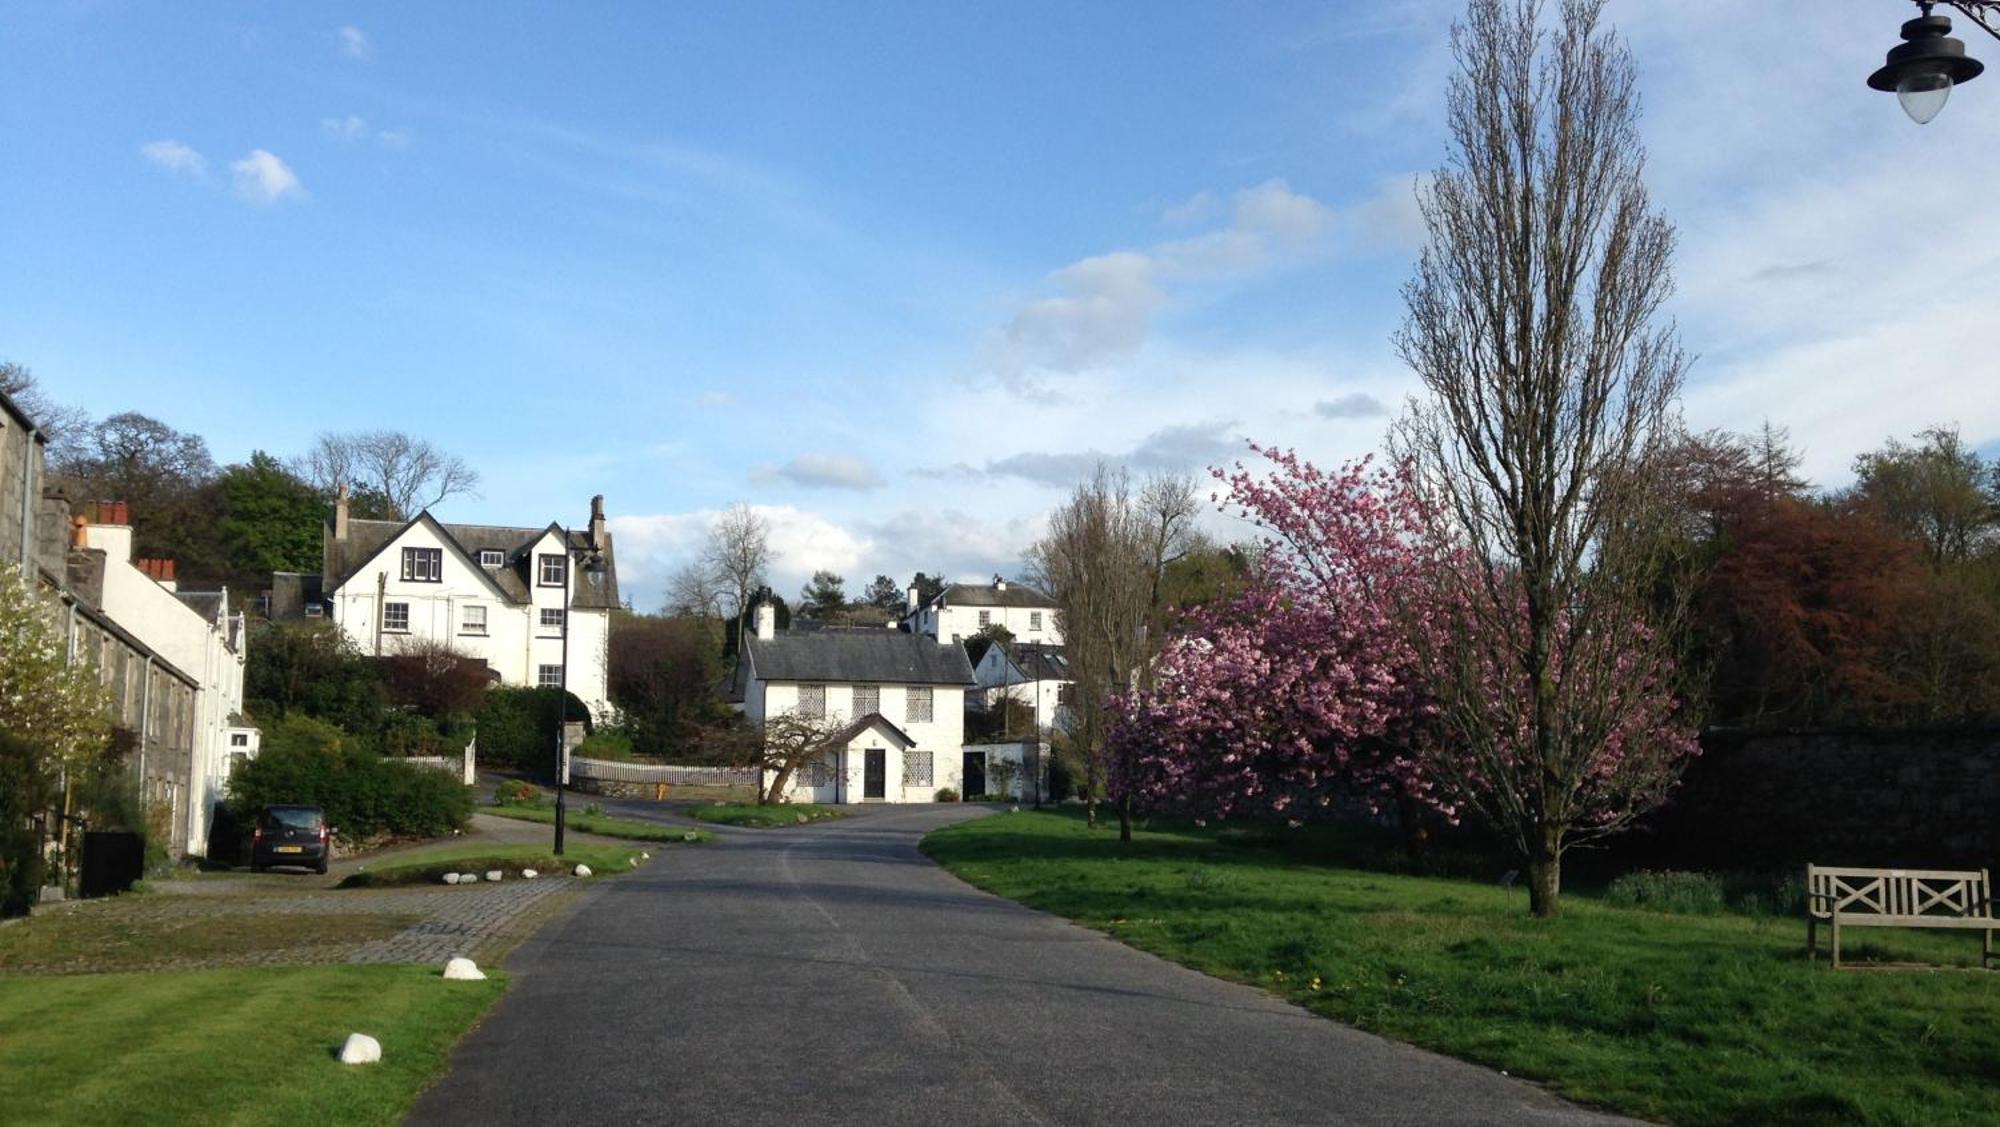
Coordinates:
x,y
898,697
962,610
1035,675
198,634
506,596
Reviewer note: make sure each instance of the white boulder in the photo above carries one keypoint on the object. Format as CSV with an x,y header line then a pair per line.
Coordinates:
x,y
631,862
468,878
463,970
494,874
451,878
802,819
581,870
360,1048
690,836
645,856
529,874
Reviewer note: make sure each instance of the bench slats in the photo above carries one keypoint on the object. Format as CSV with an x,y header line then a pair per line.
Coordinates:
x,y
1914,898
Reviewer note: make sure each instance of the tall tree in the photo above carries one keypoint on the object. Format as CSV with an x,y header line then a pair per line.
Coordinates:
x,y
824,597
929,585
163,475
883,594
59,423
738,553
1936,490
411,474
270,519
1533,325
665,678
693,591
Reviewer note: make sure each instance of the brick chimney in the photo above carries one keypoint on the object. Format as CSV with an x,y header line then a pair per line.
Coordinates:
x,y
340,512
597,523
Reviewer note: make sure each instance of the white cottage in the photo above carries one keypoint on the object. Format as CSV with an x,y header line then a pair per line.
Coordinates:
x,y
1035,675
962,610
504,595
899,698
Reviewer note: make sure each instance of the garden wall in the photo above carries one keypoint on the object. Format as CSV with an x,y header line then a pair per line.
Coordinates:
x,y
1770,800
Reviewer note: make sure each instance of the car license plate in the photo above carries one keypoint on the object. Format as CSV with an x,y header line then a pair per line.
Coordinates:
x,y
291,849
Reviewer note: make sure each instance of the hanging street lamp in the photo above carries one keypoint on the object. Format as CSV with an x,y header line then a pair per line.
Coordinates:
x,y
1923,68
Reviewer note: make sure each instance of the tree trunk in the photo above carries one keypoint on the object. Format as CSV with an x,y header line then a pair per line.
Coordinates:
x,y
1545,884
1125,818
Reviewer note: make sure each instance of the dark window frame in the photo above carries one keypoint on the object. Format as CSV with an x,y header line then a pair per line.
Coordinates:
x,y
432,556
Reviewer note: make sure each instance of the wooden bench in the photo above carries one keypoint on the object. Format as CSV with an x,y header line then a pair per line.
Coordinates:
x,y
1897,898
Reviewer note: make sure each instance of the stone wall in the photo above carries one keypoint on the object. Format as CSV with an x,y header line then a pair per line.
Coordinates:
x,y
1771,800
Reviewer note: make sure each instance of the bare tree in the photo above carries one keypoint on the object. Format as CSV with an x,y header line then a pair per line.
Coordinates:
x,y
693,592
1103,561
411,473
738,554
1532,323
786,744
59,423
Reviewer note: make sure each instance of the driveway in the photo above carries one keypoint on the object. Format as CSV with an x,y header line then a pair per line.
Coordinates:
x,y
832,974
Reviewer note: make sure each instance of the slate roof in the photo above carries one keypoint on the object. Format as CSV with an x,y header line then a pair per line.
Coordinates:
x,y
1039,662
987,595
207,604
596,588
859,656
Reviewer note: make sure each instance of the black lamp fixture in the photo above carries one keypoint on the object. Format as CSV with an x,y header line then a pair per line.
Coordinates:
x,y
1923,68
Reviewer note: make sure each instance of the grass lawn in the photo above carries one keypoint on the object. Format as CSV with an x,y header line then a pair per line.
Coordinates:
x,y
428,866
1684,1018
753,816
122,936
227,1046
601,824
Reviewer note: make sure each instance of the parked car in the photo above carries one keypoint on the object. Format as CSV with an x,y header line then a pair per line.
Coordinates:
x,y
291,835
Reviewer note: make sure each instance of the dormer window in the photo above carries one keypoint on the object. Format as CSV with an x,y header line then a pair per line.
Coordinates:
x,y
423,565
553,570
490,557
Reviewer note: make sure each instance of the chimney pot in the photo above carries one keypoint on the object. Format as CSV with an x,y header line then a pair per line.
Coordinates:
x,y
912,597
597,523
767,622
340,512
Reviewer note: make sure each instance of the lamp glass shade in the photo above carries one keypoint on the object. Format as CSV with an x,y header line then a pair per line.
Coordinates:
x,y
1923,92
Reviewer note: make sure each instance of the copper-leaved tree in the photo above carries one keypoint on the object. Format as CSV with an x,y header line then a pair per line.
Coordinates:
x,y
1551,384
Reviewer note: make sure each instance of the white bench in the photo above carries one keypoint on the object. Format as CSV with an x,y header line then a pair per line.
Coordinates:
x,y
1898,898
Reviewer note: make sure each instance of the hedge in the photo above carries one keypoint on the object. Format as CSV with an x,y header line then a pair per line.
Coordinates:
x,y
309,762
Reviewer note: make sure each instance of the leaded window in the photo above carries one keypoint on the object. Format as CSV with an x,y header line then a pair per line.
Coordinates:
x,y
917,705
916,768
812,702
867,699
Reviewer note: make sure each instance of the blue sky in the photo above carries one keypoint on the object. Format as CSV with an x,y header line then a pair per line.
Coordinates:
x,y
896,273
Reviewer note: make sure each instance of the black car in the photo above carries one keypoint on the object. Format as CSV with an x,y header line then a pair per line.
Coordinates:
x,y
291,835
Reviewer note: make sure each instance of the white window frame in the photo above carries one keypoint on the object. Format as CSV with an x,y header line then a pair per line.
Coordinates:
x,y
812,702
472,619
492,557
985,619
389,611
423,565
1034,620
867,699
556,627
548,676
542,563
912,697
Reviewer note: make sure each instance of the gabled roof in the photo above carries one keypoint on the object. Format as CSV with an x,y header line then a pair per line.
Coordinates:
x,y
859,656
207,604
987,595
595,589
872,720
1038,662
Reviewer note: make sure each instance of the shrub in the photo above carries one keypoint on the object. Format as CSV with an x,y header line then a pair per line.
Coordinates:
x,y
1699,894
517,792
607,743
946,794
26,789
310,762
517,727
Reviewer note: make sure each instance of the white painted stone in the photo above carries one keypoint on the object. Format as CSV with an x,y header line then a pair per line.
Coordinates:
x,y
581,870
690,836
463,970
529,874
468,878
631,862
645,856
1013,810
451,878
360,1048
801,819
495,874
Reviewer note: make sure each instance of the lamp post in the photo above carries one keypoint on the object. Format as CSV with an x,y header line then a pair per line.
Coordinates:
x,y
1923,68
572,556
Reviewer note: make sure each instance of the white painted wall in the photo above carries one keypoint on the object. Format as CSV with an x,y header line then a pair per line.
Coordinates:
x,y
954,622
943,737
998,677
514,643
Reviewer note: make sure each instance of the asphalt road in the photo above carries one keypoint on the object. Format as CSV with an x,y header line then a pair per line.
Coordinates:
x,y
832,974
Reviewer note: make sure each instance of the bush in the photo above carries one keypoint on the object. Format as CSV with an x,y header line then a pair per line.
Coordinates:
x,y
26,790
517,792
609,743
946,794
1062,783
517,727
310,762
1696,894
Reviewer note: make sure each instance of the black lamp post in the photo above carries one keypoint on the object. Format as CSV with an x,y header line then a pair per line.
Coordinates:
x,y
572,556
1923,68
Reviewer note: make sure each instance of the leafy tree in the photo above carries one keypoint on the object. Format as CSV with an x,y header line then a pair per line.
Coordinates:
x,y
27,792
664,677
308,761
1936,490
1551,384
929,585
270,520
313,669
825,596
883,594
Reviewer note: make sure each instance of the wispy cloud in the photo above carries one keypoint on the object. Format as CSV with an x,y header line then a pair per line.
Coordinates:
x,y
175,157
354,43
714,400
821,471
263,178
1174,449
1355,405
349,128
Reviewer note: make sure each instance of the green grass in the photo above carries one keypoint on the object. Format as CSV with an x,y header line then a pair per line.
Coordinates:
x,y
227,1046
120,936
1684,1018
753,816
428,866
601,824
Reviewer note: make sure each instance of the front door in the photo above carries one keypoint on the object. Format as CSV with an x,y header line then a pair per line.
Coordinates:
x,y
875,773
975,774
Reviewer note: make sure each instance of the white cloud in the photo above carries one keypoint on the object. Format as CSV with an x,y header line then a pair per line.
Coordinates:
x,y
396,138
1190,211
651,546
1354,405
175,157
262,177
821,471
349,128
354,43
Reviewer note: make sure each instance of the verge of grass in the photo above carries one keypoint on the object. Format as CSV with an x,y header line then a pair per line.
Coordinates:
x,y
428,866
1685,1018
112,936
227,1046
752,816
601,824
